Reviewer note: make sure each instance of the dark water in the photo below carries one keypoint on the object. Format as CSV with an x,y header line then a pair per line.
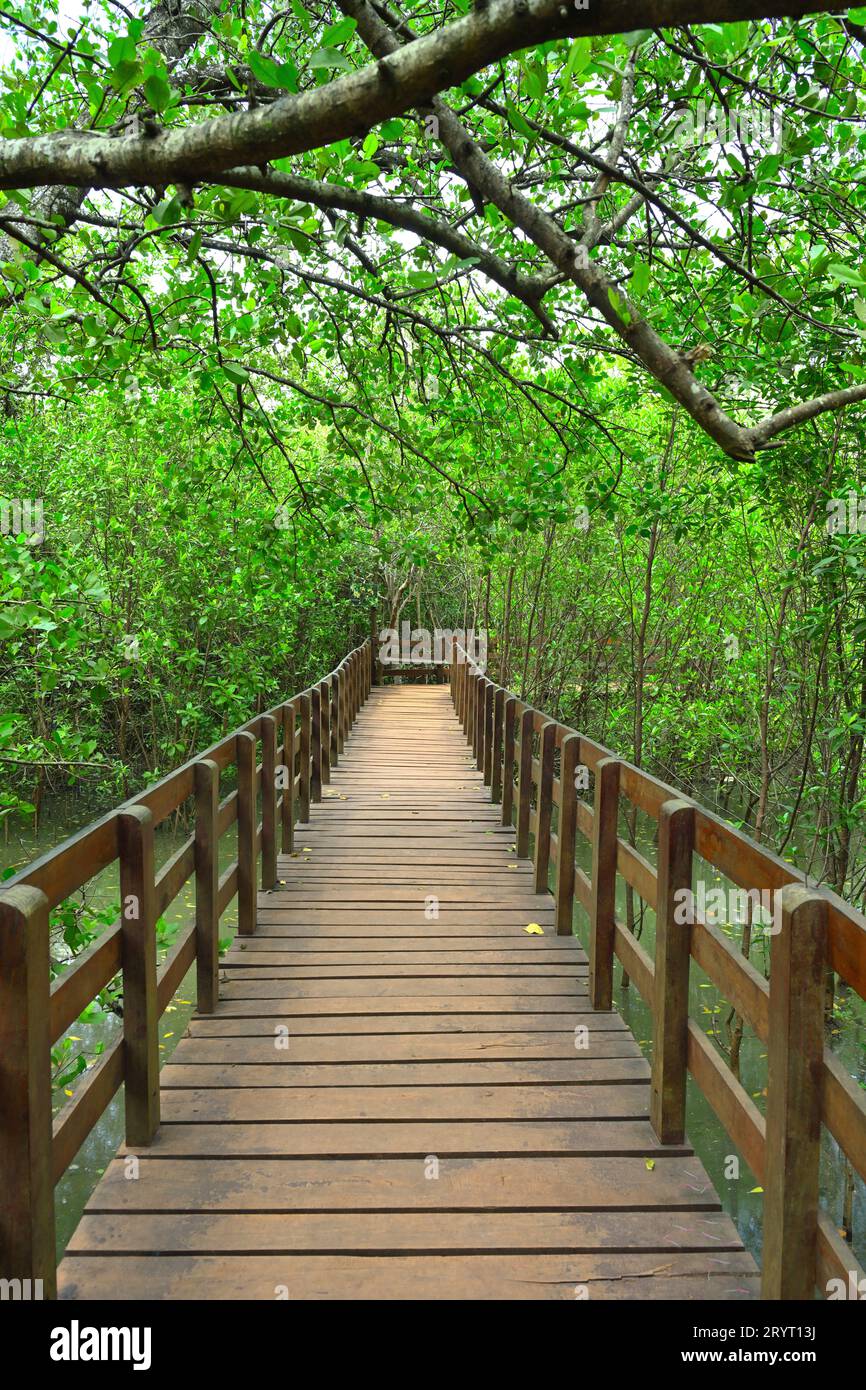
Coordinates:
x,y
738,1188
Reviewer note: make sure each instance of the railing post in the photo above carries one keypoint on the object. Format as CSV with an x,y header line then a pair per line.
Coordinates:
x,y
325,716
245,757
566,833
288,807
479,723
603,907
351,692
206,781
316,744
339,703
140,1009
795,1049
524,788
509,721
496,756
27,1249
269,801
544,805
488,734
672,960
334,720
374,637
304,787
471,709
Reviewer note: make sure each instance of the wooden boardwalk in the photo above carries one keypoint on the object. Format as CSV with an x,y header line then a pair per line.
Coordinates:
x,y
392,1098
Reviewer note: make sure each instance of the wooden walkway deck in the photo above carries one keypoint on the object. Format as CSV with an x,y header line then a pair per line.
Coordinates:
x,y
390,1104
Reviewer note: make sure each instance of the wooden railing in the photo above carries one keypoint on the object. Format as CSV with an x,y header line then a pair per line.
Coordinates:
x,y
533,764
282,758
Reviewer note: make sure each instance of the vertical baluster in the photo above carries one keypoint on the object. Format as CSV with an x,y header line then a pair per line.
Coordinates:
x,y
795,1050
245,757
487,753
325,714
288,806
496,754
306,740
140,1010
206,782
672,959
524,788
26,1168
566,834
336,750
315,744
479,723
509,721
269,801
544,805
603,908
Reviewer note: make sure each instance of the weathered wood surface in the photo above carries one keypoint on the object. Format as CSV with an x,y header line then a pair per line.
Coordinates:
x,y
388,1101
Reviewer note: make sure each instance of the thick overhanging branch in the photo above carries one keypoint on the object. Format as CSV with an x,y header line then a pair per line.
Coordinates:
x,y
773,425
669,367
411,219
351,105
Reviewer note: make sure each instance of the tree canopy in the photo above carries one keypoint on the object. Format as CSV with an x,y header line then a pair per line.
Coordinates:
x,y
398,217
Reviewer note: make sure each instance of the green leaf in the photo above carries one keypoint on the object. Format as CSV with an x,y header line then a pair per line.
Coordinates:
x,y
846,275
579,56
236,374
517,120
339,32
640,278
330,58
158,91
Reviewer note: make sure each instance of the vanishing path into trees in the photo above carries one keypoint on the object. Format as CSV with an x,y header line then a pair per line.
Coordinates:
x,y
391,1088
415,1044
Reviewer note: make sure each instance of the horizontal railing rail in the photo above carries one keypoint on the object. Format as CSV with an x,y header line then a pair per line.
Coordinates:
x,y
535,767
281,758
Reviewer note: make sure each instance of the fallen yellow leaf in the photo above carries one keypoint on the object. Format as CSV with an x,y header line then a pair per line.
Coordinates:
x,y
650,1164
534,929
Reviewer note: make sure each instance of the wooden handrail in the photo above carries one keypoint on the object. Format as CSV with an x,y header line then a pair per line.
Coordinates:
x,y
296,753
807,1085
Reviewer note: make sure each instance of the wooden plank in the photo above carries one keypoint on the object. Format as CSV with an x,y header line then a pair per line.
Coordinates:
x,y
562,1183
464,1139
477,1103
672,1275
487,1046
590,1072
614,1231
